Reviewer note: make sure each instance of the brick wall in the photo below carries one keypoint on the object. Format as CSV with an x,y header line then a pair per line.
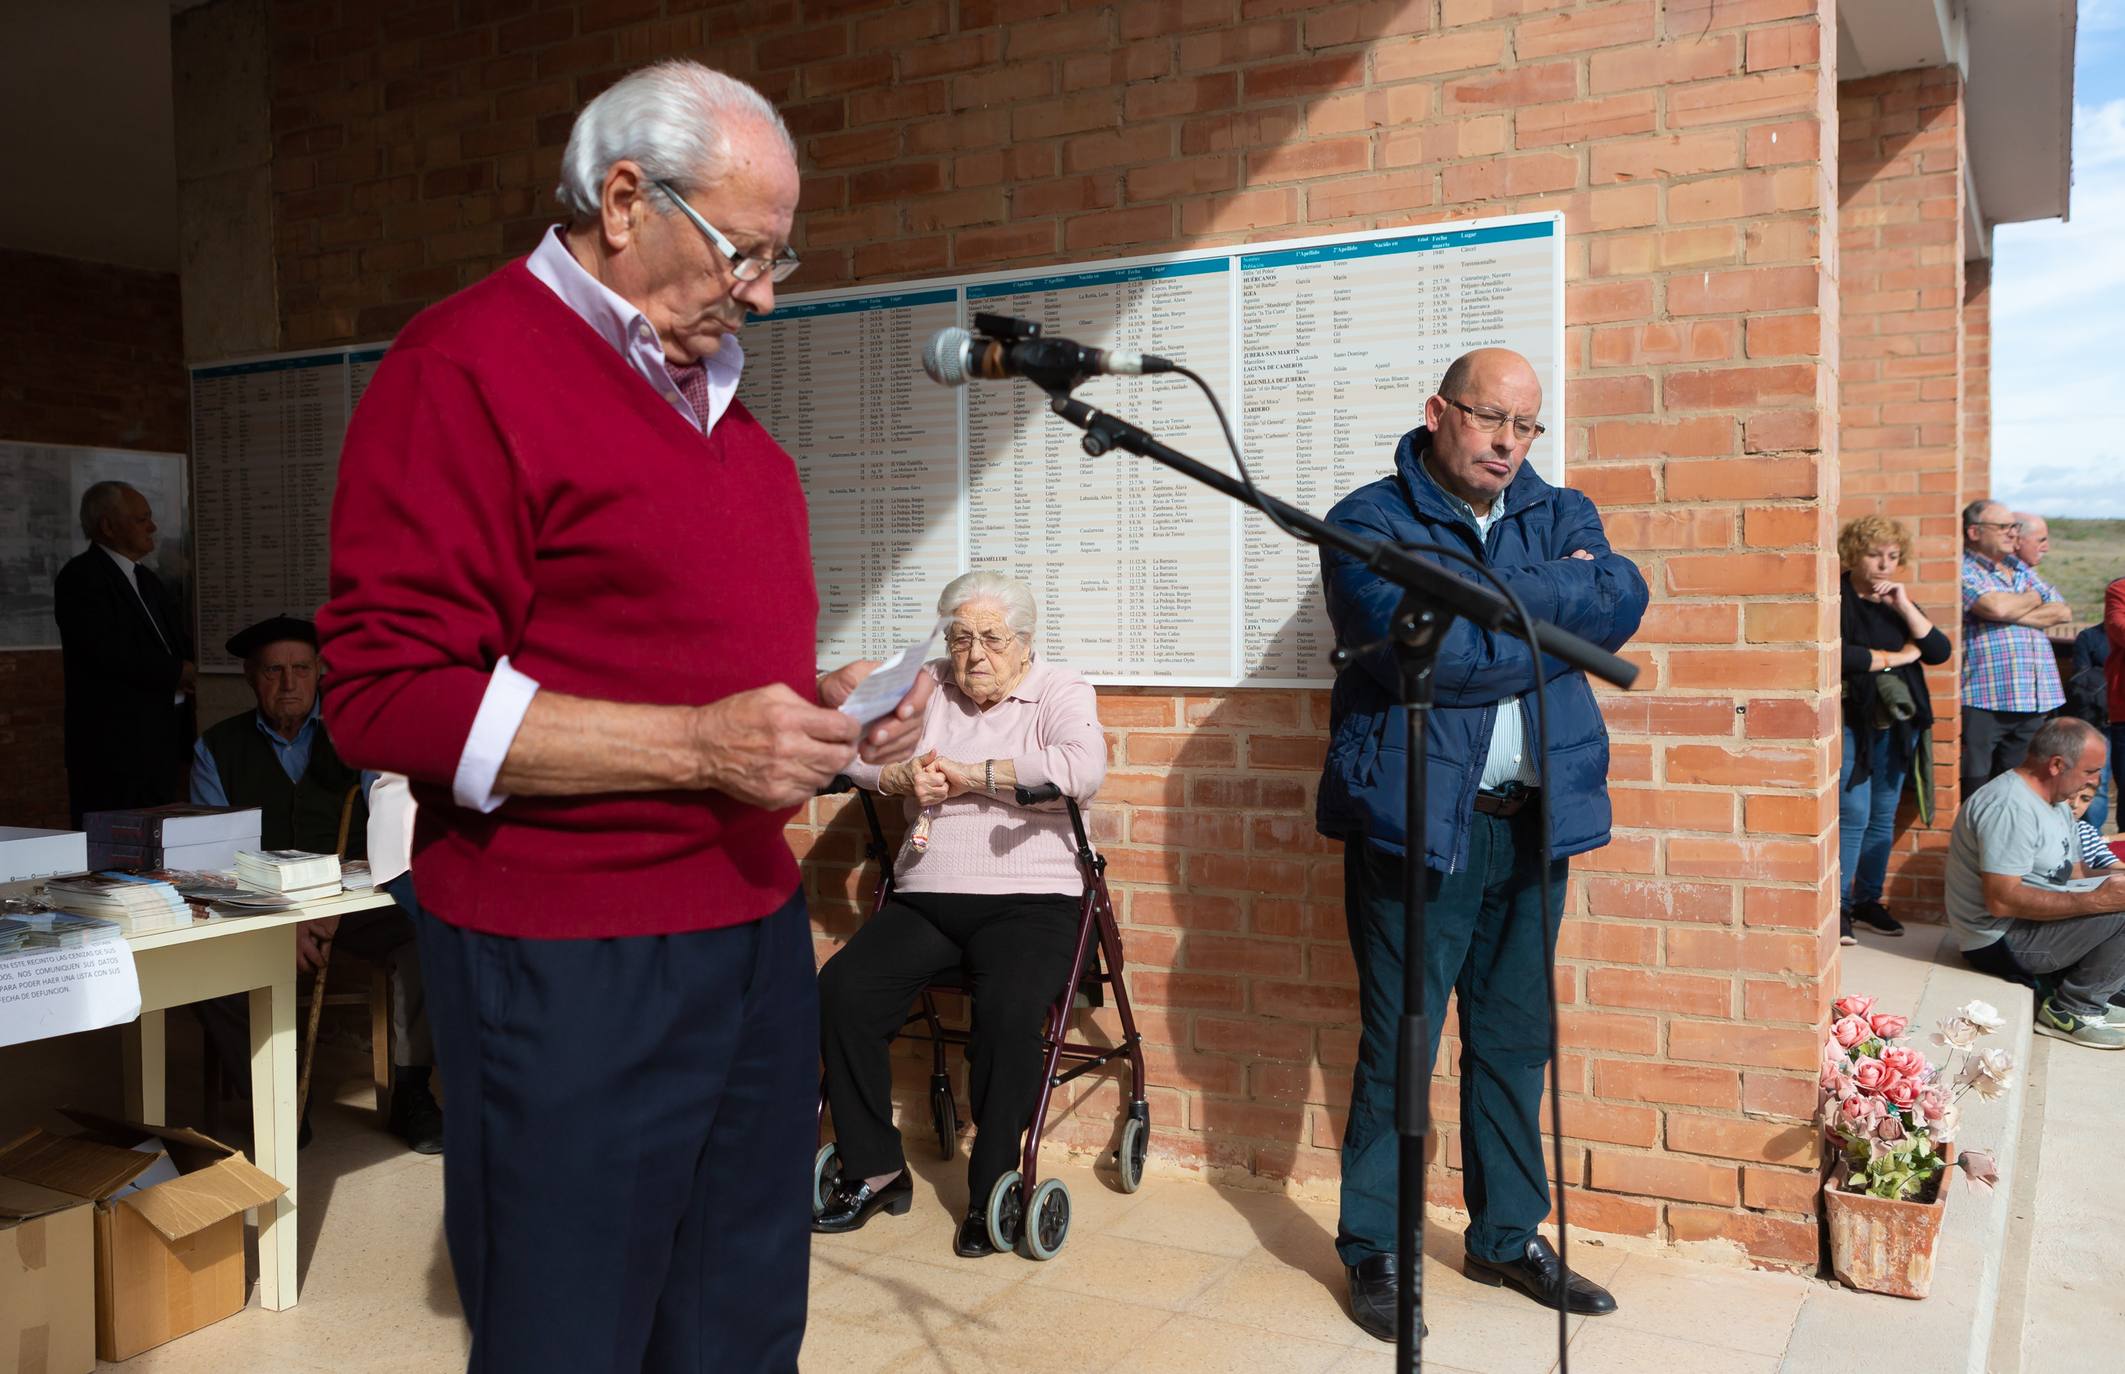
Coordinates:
x,y
94,356
1901,216
415,148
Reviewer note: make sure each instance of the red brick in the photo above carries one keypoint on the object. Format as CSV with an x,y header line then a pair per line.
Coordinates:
x,y
1768,1238
1760,1047
1621,987
1677,1084
1582,30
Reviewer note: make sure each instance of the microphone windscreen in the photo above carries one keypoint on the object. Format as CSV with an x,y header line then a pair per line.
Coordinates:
x,y
947,357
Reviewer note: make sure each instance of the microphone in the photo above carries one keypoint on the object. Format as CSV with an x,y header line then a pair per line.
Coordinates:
x,y
955,357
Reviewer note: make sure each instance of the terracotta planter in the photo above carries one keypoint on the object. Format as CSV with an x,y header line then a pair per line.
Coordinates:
x,y
1881,1246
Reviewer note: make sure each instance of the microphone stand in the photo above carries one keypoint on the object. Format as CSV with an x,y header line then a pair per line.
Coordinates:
x,y
1431,598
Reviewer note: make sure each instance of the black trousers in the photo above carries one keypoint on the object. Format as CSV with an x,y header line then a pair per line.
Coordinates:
x,y
628,1144
1995,741
1016,951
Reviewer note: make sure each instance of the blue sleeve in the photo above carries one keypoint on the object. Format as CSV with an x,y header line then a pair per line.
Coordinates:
x,y
206,778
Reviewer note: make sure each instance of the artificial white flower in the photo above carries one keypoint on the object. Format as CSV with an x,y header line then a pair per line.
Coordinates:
x,y
1983,1015
1988,1072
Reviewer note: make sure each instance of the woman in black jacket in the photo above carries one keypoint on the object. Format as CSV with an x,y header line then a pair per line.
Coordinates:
x,y
1886,708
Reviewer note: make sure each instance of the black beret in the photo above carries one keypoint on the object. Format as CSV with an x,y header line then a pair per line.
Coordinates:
x,y
245,643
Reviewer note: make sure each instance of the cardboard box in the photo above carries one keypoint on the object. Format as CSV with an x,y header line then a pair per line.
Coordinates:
x,y
169,1257
26,853
174,836
47,1280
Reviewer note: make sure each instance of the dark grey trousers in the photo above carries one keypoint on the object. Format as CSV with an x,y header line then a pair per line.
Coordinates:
x,y
2089,951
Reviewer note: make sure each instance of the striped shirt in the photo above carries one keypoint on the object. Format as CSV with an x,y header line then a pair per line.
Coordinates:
x,y
2094,852
2006,667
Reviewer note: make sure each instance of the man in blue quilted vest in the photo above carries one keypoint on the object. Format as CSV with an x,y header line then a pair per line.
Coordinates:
x,y
1462,480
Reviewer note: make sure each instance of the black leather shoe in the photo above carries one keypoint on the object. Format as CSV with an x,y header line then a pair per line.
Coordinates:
x,y
972,1242
1373,1291
1542,1276
416,1118
854,1202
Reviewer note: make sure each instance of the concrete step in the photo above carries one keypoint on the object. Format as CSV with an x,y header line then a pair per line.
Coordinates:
x,y
1923,976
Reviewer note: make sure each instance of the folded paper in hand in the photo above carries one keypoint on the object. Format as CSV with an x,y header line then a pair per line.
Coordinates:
x,y
879,693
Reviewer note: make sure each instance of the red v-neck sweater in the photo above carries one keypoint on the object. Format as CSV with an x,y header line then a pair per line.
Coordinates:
x,y
510,486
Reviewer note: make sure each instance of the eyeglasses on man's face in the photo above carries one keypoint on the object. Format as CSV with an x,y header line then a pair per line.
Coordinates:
x,y
742,266
2011,525
1525,429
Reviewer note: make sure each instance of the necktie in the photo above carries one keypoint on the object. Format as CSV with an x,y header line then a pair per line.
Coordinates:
x,y
692,381
151,600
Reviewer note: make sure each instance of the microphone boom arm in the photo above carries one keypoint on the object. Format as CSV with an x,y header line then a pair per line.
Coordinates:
x,y
1421,576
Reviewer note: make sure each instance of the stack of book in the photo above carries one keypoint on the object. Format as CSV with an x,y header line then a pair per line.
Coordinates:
x,y
176,836
12,932
290,872
66,930
137,904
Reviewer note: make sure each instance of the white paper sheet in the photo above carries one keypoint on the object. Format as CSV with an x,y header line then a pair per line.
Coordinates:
x,y
51,992
879,693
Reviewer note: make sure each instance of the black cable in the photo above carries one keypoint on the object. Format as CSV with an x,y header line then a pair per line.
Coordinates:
x,y
1414,848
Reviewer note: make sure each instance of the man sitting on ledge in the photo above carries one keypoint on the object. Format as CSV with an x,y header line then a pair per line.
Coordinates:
x,y
2013,894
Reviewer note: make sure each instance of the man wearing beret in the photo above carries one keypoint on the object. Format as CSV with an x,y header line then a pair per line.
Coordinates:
x,y
279,759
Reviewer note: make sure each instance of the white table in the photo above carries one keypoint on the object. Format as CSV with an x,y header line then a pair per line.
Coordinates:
x,y
256,955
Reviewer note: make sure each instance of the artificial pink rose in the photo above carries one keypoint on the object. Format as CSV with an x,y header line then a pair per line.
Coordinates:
x,y
1889,1129
1906,1061
1902,1091
1861,1112
1870,1074
1888,1027
1932,1106
1853,1006
1838,1085
1849,1031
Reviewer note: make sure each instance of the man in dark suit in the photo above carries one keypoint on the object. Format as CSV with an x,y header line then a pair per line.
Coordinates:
x,y
129,672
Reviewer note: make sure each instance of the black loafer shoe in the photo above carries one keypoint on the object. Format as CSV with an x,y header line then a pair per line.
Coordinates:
x,y
417,1119
854,1202
1542,1276
1373,1293
1875,917
973,1242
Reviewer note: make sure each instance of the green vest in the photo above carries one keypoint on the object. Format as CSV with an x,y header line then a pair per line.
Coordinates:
x,y
291,815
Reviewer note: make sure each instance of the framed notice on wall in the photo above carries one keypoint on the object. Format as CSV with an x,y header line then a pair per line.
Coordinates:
x,y
1323,351
41,486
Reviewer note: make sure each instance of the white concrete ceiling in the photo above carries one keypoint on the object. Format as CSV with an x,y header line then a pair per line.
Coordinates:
x,y
88,160
2017,62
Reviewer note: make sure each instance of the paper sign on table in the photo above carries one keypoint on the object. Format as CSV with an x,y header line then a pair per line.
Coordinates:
x,y
59,991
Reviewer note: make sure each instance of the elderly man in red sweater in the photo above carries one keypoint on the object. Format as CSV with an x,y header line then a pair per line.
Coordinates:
x,y
572,600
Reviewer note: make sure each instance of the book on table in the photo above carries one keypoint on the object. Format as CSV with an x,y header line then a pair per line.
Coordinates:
x,y
293,873
138,904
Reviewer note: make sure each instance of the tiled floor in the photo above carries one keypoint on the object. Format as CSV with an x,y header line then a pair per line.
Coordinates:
x,y
1181,1276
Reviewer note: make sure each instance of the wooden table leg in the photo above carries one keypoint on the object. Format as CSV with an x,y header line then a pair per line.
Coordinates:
x,y
273,1129
146,1064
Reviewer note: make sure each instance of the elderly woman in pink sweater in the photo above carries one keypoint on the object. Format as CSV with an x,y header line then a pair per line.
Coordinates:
x,y
993,888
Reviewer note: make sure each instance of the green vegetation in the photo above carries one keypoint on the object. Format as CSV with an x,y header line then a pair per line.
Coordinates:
x,y
2085,555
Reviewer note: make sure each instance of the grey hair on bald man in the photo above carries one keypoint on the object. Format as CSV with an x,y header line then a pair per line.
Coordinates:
x,y
673,118
102,501
1014,596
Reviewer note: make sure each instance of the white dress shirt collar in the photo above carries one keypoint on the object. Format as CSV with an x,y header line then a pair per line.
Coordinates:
x,y
620,324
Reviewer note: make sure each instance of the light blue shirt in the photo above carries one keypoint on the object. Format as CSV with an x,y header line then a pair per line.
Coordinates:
x,y
1509,760
294,756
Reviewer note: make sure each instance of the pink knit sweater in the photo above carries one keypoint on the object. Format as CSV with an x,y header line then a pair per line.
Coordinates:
x,y
1048,727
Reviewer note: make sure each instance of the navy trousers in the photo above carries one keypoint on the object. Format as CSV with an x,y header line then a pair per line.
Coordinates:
x,y
627,1145
1488,939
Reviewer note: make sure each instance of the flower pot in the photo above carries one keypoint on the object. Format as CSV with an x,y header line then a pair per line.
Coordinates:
x,y
1882,1246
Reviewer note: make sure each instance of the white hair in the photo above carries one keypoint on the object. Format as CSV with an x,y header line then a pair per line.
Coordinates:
x,y
674,118
1014,596
101,502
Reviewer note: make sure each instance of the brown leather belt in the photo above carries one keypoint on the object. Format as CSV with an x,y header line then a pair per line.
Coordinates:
x,y
1504,803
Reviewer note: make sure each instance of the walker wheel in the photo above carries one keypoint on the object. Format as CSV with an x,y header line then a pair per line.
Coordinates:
x,y
1136,1146
944,1115
1007,1212
1047,1221
826,1172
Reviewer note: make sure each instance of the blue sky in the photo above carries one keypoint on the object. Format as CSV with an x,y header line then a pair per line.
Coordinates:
x,y
2058,310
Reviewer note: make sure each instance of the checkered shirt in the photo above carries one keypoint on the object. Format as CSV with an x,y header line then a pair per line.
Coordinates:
x,y
2006,667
